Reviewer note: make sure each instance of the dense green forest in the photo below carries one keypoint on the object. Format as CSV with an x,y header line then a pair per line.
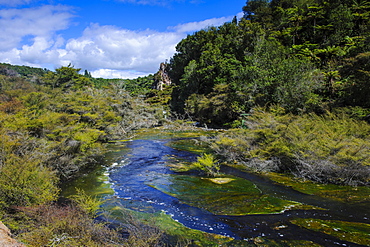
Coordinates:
x,y
306,56
290,80
294,77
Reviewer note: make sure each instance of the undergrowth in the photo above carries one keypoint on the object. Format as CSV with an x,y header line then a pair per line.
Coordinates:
x,y
332,148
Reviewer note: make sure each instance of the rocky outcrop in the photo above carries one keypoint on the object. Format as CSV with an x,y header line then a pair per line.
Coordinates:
x,y
5,238
162,78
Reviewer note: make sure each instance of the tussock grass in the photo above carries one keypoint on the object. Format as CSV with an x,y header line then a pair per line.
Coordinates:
x,y
332,148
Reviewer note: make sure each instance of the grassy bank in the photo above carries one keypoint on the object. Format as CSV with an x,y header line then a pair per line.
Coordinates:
x,y
330,148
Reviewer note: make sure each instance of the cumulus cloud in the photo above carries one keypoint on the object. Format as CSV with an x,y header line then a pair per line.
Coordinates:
x,y
155,2
112,73
41,22
30,37
115,48
13,3
196,26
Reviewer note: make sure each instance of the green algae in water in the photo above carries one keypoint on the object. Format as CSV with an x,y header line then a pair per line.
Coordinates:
x,y
171,227
259,241
190,145
346,194
95,183
355,232
236,197
161,133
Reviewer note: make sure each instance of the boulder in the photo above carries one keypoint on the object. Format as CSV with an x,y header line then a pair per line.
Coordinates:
x,y
5,238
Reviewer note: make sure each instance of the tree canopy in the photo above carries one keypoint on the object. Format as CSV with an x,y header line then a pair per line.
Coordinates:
x,y
301,54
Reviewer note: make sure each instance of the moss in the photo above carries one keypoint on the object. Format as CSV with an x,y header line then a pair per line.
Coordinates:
x,y
347,194
190,145
259,242
166,133
234,197
179,232
358,233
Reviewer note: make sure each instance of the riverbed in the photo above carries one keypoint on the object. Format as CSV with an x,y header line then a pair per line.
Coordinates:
x,y
239,206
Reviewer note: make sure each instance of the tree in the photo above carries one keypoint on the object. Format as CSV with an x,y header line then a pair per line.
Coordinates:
x,y
66,77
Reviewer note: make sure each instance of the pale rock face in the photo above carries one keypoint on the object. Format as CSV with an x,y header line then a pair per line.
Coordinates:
x,y
5,238
162,77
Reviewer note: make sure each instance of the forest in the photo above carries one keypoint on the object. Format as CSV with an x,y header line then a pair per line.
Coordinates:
x,y
289,83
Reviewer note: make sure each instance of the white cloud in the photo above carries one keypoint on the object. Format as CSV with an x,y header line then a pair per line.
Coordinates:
x,y
13,3
191,27
121,49
196,26
16,24
156,2
106,51
111,74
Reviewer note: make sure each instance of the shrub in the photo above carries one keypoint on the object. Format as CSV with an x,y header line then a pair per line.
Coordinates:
x,y
88,204
24,182
66,226
329,148
207,164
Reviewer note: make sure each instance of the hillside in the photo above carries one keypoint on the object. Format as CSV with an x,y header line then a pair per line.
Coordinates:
x,y
306,56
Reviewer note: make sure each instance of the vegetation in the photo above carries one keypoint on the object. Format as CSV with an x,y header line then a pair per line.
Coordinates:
x,y
332,148
53,129
294,75
291,77
349,231
207,164
307,56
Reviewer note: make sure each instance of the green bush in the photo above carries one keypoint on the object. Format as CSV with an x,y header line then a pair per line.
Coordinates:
x,y
88,204
207,164
25,182
329,148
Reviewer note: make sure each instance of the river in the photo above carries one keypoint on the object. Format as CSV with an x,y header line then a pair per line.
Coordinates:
x,y
239,205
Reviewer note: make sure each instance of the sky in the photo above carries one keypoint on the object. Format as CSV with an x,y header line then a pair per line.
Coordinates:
x,y
109,38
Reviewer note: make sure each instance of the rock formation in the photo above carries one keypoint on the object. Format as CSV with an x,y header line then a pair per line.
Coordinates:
x,y
162,78
5,238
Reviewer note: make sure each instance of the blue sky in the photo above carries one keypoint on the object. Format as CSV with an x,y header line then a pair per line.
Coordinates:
x,y
110,38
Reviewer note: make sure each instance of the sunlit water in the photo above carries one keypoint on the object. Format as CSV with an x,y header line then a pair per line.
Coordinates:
x,y
132,181
142,181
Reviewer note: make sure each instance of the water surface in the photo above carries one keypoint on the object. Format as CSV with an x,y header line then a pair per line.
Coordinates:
x,y
239,205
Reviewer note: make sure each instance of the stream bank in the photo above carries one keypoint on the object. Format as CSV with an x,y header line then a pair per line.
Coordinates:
x,y
247,208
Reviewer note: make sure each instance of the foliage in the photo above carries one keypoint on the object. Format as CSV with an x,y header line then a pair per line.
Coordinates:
x,y
66,77
282,52
329,148
88,204
356,87
25,183
136,87
207,164
24,180
54,225
216,83
13,70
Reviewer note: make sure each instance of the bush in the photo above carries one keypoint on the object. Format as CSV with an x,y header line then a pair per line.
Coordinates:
x,y
24,182
207,164
88,204
54,225
329,148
